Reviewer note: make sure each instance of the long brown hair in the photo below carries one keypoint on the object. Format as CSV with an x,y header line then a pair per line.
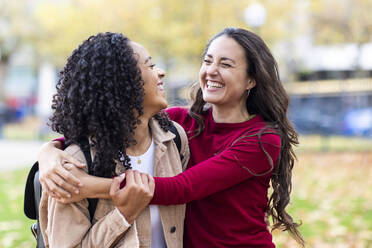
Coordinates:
x,y
269,100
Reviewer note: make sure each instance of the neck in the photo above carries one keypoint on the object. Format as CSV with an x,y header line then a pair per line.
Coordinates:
x,y
229,115
142,135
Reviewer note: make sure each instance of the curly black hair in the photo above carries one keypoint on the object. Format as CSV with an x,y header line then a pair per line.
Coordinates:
x,y
100,95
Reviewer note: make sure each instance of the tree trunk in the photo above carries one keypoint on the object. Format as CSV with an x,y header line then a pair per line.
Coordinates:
x,y
3,70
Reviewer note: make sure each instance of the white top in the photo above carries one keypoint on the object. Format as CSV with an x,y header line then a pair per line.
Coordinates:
x,y
145,163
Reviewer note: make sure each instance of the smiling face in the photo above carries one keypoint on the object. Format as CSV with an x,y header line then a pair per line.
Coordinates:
x,y
223,74
154,99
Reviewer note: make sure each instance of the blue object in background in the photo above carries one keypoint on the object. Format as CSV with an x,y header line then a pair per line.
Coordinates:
x,y
359,122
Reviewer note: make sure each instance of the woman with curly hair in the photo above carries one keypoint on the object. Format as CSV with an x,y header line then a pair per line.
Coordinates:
x,y
111,92
240,141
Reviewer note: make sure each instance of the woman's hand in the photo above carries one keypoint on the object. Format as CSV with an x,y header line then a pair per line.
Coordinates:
x,y
89,182
135,196
54,178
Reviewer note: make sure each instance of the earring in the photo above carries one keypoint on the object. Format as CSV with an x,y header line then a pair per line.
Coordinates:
x,y
248,91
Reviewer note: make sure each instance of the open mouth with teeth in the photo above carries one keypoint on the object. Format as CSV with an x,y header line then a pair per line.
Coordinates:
x,y
214,85
160,86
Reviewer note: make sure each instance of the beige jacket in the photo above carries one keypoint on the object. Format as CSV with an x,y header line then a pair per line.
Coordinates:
x,y
68,225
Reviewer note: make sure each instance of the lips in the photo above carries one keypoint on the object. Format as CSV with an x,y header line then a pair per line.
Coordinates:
x,y
160,86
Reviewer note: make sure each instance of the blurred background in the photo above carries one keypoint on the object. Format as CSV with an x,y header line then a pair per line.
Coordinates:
x,y
324,52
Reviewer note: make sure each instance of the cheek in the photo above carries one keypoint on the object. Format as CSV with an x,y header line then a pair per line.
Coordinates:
x,y
144,77
202,73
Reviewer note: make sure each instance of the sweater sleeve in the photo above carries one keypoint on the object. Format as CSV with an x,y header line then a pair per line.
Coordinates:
x,y
239,162
62,141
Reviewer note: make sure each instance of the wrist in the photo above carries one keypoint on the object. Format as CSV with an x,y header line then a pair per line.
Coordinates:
x,y
128,217
97,187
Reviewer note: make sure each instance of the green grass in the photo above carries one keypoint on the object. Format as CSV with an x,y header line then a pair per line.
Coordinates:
x,y
331,196
317,143
14,226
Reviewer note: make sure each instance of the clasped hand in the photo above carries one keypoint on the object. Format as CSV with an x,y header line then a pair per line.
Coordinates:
x,y
62,177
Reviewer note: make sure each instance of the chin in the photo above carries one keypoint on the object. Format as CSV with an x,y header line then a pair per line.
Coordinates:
x,y
163,105
210,99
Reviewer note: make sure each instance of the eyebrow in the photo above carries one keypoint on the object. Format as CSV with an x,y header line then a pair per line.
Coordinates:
x,y
223,58
147,60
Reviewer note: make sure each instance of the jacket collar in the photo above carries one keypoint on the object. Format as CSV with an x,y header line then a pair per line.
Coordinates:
x,y
159,135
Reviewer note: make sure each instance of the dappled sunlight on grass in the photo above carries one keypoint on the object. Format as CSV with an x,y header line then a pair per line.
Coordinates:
x,y
332,197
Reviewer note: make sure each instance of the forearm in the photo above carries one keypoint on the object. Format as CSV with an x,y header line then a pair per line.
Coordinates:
x,y
97,187
196,183
218,173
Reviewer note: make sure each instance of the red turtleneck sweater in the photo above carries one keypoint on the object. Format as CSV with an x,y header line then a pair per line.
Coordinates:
x,y
225,195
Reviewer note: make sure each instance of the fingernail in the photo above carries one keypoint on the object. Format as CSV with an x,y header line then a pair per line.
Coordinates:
x,y
69,196
81,184
122,175
76,191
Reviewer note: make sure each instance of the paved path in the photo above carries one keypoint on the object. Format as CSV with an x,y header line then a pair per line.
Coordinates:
x,y
18,154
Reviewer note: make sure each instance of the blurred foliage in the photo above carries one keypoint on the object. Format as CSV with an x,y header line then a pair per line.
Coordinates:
x,y
331,197
16,29
341,21
175,31
16,26
171,29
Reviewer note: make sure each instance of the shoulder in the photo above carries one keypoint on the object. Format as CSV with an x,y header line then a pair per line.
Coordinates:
x,y
259,130
271,137
268,133
179,128
76,152
182,133
177,113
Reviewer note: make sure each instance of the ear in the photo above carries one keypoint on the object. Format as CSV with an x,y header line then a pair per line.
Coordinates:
x,y
251,83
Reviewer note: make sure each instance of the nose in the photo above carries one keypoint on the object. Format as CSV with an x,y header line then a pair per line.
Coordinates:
x,y
211,69
161,72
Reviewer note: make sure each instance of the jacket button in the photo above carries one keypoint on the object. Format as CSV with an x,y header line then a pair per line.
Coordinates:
x,y
173,229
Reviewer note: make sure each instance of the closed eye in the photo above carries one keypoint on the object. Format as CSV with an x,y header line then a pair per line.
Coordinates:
x,y
207,61
152,66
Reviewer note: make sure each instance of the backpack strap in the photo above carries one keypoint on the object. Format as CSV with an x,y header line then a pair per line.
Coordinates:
x,y
176,139
85,147
38,191
29,205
